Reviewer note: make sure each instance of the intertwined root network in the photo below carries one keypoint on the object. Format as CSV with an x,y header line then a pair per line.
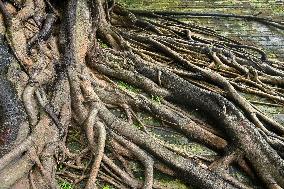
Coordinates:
x,y
69,58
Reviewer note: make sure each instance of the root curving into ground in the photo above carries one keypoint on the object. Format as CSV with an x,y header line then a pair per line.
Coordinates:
x,y
71,66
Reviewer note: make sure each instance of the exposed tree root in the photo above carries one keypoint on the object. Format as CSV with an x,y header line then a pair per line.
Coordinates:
x,y
154,65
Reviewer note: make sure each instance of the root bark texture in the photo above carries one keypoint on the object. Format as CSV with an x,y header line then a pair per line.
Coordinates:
x,y
84,76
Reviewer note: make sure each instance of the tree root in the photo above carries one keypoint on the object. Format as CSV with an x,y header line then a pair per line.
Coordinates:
x,y
153,65
98,155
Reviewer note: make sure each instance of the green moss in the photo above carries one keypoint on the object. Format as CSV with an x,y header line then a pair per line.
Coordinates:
x,y
75,140
174,184
149,120
126,86
150,5
107,187
137,125
74,146
60,167
269,110
65,185
252,6
102,44
157,99
169,182
278,9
